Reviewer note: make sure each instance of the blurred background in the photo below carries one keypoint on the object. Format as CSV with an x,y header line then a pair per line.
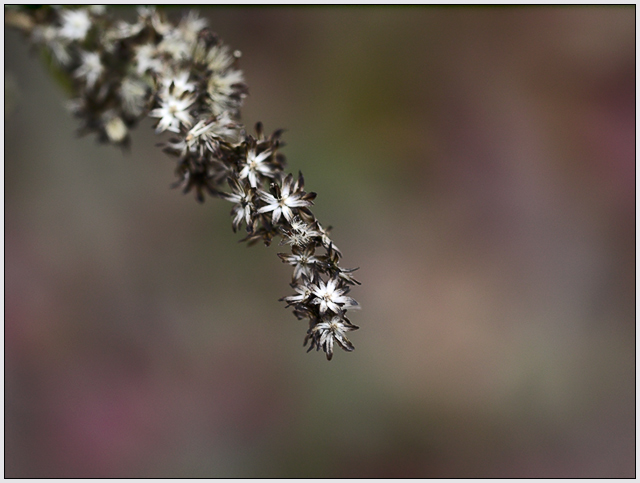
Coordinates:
x,y
478,164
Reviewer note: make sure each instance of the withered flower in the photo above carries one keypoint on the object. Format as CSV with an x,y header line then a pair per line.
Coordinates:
x,y
243,197
324,333
284,200
303,262
185,78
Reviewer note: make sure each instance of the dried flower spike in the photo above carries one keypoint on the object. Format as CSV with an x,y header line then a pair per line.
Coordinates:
x,y
188,81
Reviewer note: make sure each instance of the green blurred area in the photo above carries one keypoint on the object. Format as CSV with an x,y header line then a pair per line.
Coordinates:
x,y
478,164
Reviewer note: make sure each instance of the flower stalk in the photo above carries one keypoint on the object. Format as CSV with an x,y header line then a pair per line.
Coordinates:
x,y
188,81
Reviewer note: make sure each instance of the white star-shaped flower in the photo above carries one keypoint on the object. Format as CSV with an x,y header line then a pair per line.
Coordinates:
x,y
75,24
289,198
256,165
330,297
302,262
172,112
90,69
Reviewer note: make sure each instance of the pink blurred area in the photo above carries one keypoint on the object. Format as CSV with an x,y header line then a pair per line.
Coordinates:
x,y
478,164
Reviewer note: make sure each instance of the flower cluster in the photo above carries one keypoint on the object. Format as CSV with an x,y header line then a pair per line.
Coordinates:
x,y
186,79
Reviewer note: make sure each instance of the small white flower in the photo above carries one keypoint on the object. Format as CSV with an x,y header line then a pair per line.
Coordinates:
x,y
150,16
172,112
302,262
191,25
206,134
329,297
300,234
218,58
175,45
90,69
223,95
124,30
289,198
75,24
256,165
180,83
328,331
145,58
225,128
243,198
303,294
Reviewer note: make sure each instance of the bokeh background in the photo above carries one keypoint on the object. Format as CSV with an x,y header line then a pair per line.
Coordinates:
x,y
478,164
